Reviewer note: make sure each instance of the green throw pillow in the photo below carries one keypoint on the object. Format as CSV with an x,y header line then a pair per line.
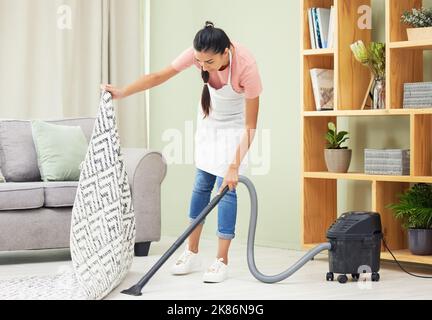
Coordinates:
x,y
60,150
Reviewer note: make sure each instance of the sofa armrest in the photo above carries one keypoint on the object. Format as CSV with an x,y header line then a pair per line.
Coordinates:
x,y
146,169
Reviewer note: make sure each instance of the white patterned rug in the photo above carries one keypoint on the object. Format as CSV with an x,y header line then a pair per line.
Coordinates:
x,y
102,227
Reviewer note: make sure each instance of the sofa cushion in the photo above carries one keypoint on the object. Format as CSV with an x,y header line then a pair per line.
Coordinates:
x,y
18,159
17,152
60,150
60,194
20,196
86,125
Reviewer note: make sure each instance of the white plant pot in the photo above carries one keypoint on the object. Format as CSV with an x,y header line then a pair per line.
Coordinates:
x,y
416,34
338,160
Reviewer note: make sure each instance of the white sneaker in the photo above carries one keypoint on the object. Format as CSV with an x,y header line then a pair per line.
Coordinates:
x,y
217,272
186,263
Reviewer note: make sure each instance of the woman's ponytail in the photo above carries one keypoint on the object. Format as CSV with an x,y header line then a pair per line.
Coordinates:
x,y
205,97
215,40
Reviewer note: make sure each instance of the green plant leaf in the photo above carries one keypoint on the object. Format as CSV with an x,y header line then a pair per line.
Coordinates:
x,y
418,18
372,56
330,137
415,207
332,126
346,139
341,135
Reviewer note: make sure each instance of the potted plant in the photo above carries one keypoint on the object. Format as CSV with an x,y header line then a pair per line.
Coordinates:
x,y
337,158
415,209
420,21
373,57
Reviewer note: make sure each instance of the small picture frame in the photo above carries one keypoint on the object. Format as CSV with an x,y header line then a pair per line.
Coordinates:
x,y
368,95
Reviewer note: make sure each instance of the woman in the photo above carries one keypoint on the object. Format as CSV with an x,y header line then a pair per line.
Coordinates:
x,y
227,119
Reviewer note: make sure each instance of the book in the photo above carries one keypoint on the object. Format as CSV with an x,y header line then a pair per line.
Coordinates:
x,y
311,29
331,28
323,88
323,16
317,29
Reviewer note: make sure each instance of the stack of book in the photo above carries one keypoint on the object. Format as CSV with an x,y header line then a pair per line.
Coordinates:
x,y
417,95
387,162
321,27
323,88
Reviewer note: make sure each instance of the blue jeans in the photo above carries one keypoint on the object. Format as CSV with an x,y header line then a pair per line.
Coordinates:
x,y
227,207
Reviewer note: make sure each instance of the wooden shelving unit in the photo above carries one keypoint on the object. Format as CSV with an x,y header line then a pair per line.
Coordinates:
x,y
404,64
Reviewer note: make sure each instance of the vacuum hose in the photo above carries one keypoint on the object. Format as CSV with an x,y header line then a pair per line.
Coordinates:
x,y
251,243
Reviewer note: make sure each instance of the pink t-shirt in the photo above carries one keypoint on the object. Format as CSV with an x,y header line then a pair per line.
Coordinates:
x,y
245,75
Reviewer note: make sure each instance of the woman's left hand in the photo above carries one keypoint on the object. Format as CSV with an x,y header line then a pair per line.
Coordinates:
x,y
230,180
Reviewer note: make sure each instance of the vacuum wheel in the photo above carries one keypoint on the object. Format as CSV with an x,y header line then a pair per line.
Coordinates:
x,y
330,276
355,276
342,278
375,277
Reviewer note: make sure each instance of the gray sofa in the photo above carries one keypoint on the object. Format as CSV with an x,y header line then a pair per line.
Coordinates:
x,y
37,215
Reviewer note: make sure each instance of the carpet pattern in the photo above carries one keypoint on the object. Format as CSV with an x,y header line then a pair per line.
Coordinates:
x,y
102,228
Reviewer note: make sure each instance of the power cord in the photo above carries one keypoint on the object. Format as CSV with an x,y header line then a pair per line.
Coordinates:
x,y
400,266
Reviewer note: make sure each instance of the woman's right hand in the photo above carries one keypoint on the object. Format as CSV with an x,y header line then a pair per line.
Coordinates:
x,y
115,92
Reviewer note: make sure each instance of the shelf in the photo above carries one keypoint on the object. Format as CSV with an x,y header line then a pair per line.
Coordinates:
x,y
401,255
367,113
406,256
318,52
412,45
405,63
366,177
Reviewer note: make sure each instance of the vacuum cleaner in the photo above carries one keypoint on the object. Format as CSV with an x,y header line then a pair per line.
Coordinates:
x,y
354,245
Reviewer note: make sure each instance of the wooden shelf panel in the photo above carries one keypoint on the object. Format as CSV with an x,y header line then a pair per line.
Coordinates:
x,y
406,256
385,193
318,52
351,77
366,177
367,113
416,45
319,207
401,255
421,144
395,29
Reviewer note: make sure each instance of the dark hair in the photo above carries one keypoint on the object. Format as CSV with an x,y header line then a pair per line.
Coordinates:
x,y
209,39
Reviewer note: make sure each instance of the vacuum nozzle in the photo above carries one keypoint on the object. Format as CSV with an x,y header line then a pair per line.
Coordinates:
x,y
133,291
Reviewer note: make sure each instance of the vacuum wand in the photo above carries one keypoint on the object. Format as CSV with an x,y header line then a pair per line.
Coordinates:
x,y
137,288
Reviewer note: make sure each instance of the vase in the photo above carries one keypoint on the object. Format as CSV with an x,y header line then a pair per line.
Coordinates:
x,y
420,241
337,160
379,93
418,34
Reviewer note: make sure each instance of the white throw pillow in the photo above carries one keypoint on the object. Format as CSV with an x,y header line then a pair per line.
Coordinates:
x,y
2,179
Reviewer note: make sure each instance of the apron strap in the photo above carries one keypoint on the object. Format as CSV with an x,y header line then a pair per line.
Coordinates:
x,y
230,67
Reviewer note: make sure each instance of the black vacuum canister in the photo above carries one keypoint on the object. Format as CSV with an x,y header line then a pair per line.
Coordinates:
x,y
355,240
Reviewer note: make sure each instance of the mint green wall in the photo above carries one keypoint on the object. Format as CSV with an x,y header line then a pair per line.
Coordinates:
x,y
270,29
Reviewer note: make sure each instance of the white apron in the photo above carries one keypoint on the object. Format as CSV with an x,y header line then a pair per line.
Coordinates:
x,y
219,135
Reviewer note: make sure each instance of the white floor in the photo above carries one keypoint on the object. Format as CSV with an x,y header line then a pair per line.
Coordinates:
x,y
307,283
